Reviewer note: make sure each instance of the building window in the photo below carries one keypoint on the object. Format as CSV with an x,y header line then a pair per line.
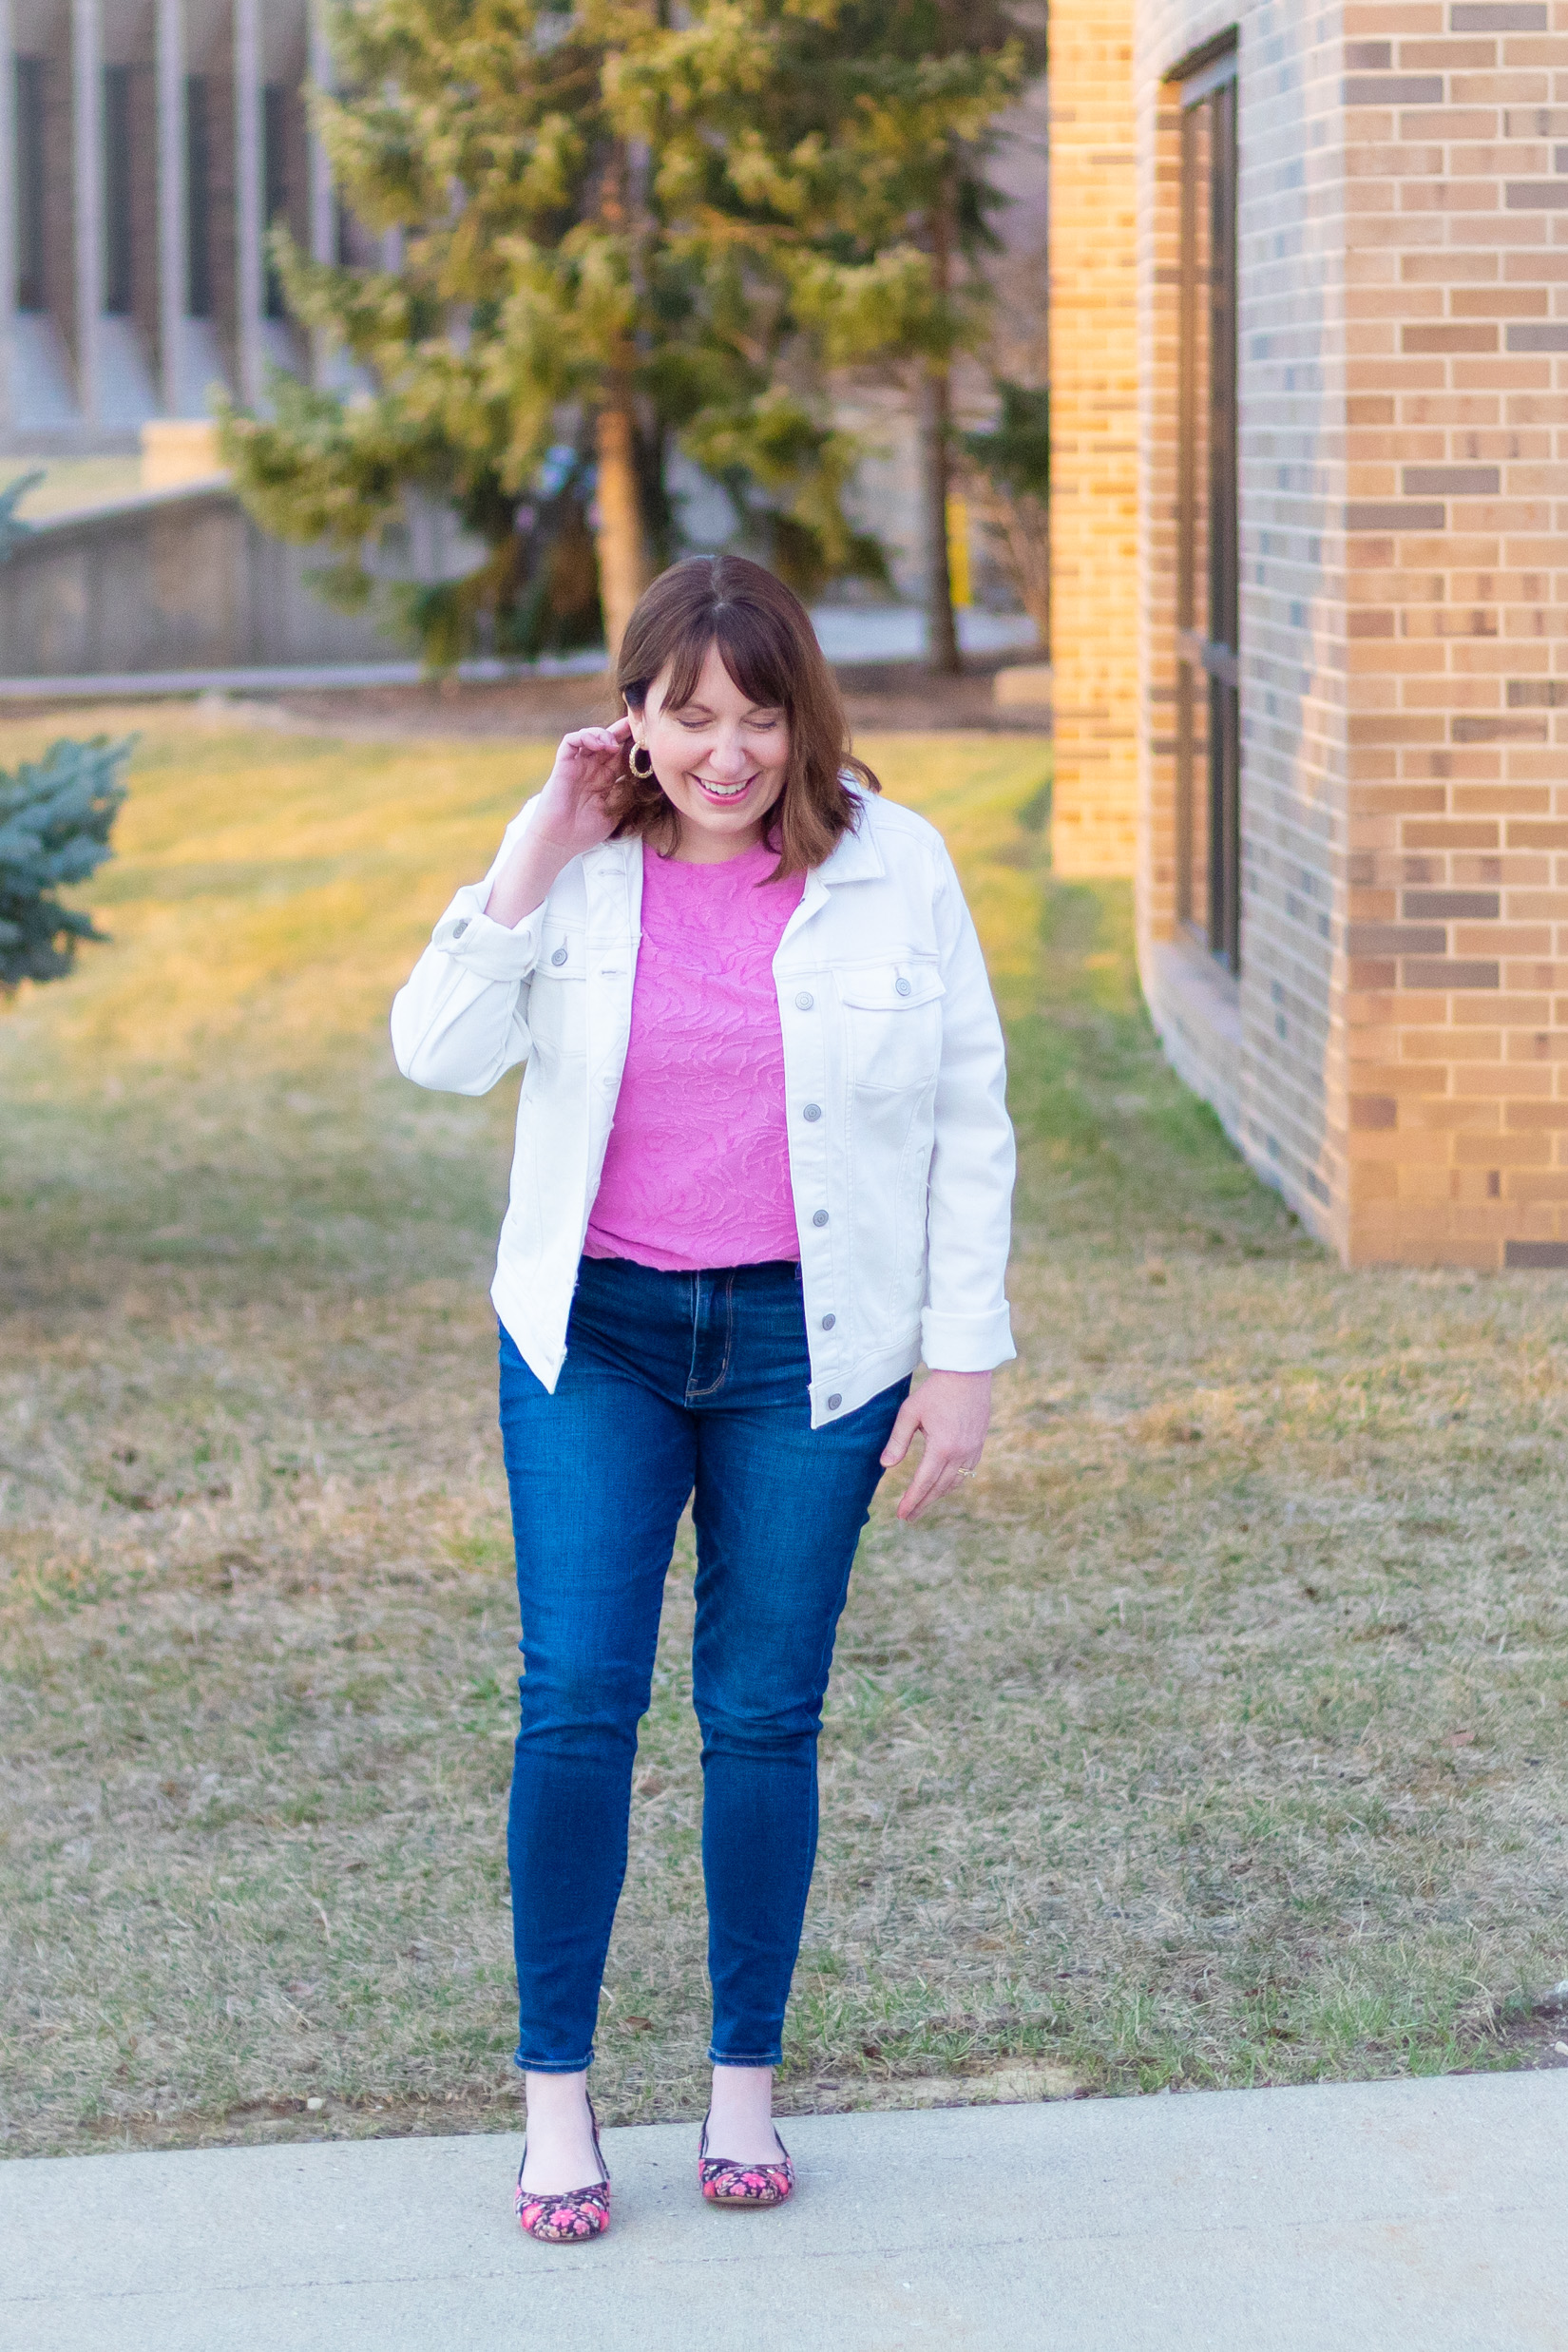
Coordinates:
x,y
1207,556
275,181
198,196
31,96
117,288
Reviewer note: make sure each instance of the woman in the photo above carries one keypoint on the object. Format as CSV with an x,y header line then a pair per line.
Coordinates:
x,y
763,1165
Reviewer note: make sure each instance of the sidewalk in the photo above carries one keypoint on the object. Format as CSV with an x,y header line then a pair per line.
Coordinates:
x,y
847,634
1395,2217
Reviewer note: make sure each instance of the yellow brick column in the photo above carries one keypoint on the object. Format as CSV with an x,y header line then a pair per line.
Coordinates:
x,y
1094,435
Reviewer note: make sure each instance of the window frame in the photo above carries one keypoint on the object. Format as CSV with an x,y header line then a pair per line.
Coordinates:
x,y
119,226
275,178
1208,619
31,169
198,194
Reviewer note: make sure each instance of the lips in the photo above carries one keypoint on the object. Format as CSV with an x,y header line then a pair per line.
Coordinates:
x,y
723,792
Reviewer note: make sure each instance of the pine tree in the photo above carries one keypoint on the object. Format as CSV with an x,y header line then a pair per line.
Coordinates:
x,y
55,817
582,282
888,184
1013,463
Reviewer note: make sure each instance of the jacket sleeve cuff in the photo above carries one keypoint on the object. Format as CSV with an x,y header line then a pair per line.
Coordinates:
x,y
469,937
967,1343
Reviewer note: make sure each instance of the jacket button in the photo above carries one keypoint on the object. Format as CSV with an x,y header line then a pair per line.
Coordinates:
x,y
835,1401
460,927
820,1217
902,986
813,1110
827,1322
560,957
804,1001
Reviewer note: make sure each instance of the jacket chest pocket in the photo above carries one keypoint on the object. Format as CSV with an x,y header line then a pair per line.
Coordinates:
x,y
893,1022
558,991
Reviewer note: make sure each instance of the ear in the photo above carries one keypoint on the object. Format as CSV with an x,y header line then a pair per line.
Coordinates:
x,y
638,719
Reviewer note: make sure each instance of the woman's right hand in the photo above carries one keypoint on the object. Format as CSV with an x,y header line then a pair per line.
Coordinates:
x,y
572,812
573,815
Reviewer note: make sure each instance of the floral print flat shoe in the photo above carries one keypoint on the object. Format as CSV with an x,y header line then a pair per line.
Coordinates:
x,y
723,2183
573,2215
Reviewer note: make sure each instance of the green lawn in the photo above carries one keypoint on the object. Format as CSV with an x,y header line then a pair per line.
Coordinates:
x,y
1219,1734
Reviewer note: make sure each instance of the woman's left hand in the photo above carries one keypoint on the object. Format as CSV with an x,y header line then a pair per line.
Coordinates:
x,y
953,1412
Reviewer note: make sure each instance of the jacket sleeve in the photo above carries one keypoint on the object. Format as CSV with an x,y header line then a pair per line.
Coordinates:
x,y
965,1326
461,1021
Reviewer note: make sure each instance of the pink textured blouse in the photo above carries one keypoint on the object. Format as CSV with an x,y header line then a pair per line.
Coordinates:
x,y
697,1169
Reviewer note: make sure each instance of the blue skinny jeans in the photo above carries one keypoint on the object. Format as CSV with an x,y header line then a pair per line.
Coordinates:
x,y
674,1383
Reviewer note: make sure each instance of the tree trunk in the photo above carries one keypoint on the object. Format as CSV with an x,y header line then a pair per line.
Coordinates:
x,y
935,450
623,567
936,428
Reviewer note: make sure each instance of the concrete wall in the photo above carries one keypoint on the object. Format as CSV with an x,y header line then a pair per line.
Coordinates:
x,y
73,376
177,580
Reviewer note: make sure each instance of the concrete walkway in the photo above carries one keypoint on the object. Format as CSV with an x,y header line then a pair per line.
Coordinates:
x,y
1395,2217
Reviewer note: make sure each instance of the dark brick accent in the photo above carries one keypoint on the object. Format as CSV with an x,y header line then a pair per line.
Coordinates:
x,y
1373,1111
1443,972
1367,56
1548,1255
1394,939
1499,16
1370,514
1476,338
1499,730
1535,195
1451,906
1538,694
1531,336
1393,89
1451,481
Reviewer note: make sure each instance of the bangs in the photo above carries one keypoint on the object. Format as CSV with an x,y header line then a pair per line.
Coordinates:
x,y
749,650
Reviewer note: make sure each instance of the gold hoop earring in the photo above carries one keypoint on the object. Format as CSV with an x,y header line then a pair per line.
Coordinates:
x,y
640,753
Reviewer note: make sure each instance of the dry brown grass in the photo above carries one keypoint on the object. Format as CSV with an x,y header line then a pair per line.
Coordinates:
x,y
1220,1735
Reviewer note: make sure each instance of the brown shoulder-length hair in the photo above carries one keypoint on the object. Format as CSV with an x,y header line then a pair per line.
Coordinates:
x,y
767,644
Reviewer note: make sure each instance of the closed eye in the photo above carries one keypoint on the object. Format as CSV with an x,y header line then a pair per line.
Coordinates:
x,y
697,719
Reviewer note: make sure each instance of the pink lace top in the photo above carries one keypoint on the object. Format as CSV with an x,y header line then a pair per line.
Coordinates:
x,y
697,1169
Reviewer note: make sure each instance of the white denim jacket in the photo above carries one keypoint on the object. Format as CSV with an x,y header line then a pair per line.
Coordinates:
x,y
901,1154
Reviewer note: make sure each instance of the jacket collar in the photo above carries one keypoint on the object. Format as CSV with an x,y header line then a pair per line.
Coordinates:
x,y
856,857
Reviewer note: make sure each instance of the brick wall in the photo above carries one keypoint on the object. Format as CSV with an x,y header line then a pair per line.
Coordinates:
x,y
1456,128
1094,446
1395,1054
1263,1051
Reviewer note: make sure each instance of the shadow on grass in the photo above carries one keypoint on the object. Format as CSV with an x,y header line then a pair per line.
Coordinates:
x,y
1111,1142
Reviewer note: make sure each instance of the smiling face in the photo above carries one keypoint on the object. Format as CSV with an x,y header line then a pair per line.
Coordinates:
x,y
722,759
